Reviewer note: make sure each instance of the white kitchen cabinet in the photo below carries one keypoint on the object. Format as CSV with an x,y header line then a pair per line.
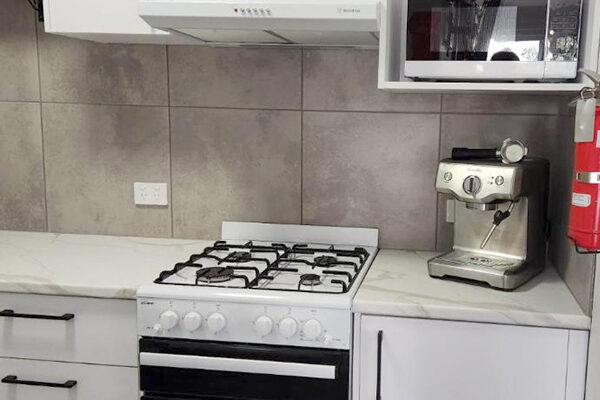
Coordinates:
x,y
422,359
92,382
101,331
593,371
109,21
55,339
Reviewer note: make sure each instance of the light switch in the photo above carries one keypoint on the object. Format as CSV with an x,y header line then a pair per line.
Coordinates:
x,y
150,194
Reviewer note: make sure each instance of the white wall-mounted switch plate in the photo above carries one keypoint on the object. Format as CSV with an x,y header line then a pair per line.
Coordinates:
x,y
150,194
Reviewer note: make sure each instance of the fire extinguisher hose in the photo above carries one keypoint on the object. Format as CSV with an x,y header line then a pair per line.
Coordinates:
x,y
580,250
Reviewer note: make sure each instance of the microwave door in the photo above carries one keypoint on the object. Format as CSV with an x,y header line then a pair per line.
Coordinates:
x,y
478,33
468,29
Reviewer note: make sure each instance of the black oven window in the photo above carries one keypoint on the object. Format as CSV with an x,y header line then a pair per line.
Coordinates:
x,y
476,30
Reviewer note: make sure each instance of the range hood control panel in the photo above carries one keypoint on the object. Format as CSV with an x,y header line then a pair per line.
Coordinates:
x,y
250,12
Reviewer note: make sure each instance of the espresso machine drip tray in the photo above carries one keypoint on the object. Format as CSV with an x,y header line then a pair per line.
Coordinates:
x,y
476,260
498,272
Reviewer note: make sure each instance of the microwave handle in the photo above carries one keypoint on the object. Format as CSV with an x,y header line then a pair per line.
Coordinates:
x,y
241,365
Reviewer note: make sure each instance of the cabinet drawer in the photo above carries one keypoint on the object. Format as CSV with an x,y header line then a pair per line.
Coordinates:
x,y
101,331
93,382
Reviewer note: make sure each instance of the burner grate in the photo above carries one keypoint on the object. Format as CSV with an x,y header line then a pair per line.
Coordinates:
x,y
218,265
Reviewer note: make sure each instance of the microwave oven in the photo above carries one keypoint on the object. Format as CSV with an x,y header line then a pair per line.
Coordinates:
x,y
491,40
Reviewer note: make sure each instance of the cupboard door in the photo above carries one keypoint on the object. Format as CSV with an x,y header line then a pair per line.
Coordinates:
x,y
44,380
72,329
433,360
111,21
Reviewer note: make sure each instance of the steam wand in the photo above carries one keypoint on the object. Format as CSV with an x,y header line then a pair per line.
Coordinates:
x,y
499,216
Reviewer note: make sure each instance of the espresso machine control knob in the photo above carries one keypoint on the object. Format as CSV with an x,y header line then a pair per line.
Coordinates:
x,y
472,185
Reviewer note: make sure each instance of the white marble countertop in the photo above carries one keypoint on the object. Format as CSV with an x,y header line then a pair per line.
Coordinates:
x,y
398,284
86,265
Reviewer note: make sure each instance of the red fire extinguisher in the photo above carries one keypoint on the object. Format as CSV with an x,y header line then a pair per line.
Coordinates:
x,y
584,224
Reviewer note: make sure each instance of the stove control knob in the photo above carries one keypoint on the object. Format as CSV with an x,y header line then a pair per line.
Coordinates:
x,y
192,321
168,320
312,329
216,322
288,327
263,325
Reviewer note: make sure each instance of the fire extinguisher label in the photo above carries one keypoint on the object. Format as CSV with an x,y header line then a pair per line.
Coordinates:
x,y
581,200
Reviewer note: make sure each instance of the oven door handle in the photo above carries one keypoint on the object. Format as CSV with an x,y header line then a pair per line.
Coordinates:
x,y
241,365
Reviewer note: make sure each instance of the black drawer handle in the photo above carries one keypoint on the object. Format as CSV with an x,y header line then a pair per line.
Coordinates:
x,y
13,314
379,343
13,380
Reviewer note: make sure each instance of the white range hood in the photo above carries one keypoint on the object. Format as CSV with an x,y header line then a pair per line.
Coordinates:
x,y
270,22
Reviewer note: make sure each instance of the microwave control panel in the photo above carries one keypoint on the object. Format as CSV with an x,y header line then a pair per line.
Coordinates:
x,y
563,30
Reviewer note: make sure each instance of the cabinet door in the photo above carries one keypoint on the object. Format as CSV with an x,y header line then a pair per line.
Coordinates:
x,y
111,21
44,380
99,331
446,360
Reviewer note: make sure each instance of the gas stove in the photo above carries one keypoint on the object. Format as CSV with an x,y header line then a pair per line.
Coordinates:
x,y
264,314
263,283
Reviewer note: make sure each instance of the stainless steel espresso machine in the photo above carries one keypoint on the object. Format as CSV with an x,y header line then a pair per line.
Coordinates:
x,y
500,224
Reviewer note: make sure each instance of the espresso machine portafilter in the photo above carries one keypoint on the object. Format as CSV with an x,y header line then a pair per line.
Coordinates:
x,y
499,220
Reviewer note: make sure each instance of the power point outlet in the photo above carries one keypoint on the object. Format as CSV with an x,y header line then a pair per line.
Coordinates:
x,y
150,194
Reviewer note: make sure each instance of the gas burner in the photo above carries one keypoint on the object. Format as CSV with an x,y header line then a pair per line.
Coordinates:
x,y
325,261
214,275
239,257
310,280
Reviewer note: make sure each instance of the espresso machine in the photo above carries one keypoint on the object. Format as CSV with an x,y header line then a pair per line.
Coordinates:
x,y
500,225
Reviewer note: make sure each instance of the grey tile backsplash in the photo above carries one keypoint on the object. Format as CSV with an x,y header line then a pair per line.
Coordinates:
x,y
235,78
80,71
234,165
93,154
22,204
19,78
372,170
278,135
347,81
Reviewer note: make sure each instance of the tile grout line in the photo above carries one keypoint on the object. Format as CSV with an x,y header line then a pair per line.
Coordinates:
x,y
301,136
170,146
437,112
37,51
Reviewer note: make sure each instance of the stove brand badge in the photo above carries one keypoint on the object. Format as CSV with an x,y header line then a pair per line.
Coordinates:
x,y
342,10
146,302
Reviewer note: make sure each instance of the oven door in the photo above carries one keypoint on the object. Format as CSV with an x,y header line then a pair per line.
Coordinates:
x,y
172,369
